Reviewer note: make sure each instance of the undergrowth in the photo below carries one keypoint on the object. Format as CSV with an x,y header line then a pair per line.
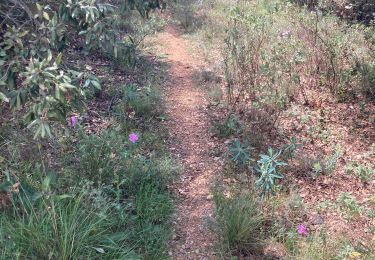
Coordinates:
x,y
277,57
98,188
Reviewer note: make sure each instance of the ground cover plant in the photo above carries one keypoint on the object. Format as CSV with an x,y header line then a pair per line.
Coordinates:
x,y
295,81
83,166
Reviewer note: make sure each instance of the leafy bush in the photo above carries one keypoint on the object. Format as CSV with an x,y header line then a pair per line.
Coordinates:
x,y
365,173
34,74
331,161
271,46
256,72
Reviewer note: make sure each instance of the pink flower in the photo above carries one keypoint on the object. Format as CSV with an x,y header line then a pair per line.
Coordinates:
x,y
302,230
133,138
73,121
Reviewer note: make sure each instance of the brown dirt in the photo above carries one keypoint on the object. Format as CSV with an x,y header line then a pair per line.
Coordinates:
x,y
191,143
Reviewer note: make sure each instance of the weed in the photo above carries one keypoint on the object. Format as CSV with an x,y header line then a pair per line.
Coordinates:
x,y
330,162
215,94
317,246
325,205
152,205
240,153
229,127
317,168
268,170
141,103
289,149
348,205
364,173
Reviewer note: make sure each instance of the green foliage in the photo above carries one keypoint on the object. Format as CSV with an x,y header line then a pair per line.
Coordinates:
x,y
104,197
268,169
121,165
141,103
271,46
366,72
319,246
185,13
257,72
349,205
122,209
239,223
92,147
240,152
317,168
330,162
365,173
44,225
151,205
34,74
229,127
289,150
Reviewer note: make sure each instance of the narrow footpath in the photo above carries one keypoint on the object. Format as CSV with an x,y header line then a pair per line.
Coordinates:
x,y
191,144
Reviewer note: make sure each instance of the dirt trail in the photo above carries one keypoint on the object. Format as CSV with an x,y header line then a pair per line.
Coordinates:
x,y
190,142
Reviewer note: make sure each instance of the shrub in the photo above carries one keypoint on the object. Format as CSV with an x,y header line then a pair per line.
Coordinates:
x,y
331,161
185,12
240,152
271,46
365,172
34,74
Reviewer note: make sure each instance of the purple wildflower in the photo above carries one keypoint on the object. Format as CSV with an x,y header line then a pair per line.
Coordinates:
x,y
133,138
73,121
302,230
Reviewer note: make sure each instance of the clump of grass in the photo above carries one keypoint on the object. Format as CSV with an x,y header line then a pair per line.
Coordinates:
x,y
239,223
63,227
142,103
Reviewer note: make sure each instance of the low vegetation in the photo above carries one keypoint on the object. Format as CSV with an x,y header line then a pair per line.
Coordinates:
x,y
287,70
84,171
83,167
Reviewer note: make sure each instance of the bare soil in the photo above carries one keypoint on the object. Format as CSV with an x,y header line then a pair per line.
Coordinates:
x,y
190,142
